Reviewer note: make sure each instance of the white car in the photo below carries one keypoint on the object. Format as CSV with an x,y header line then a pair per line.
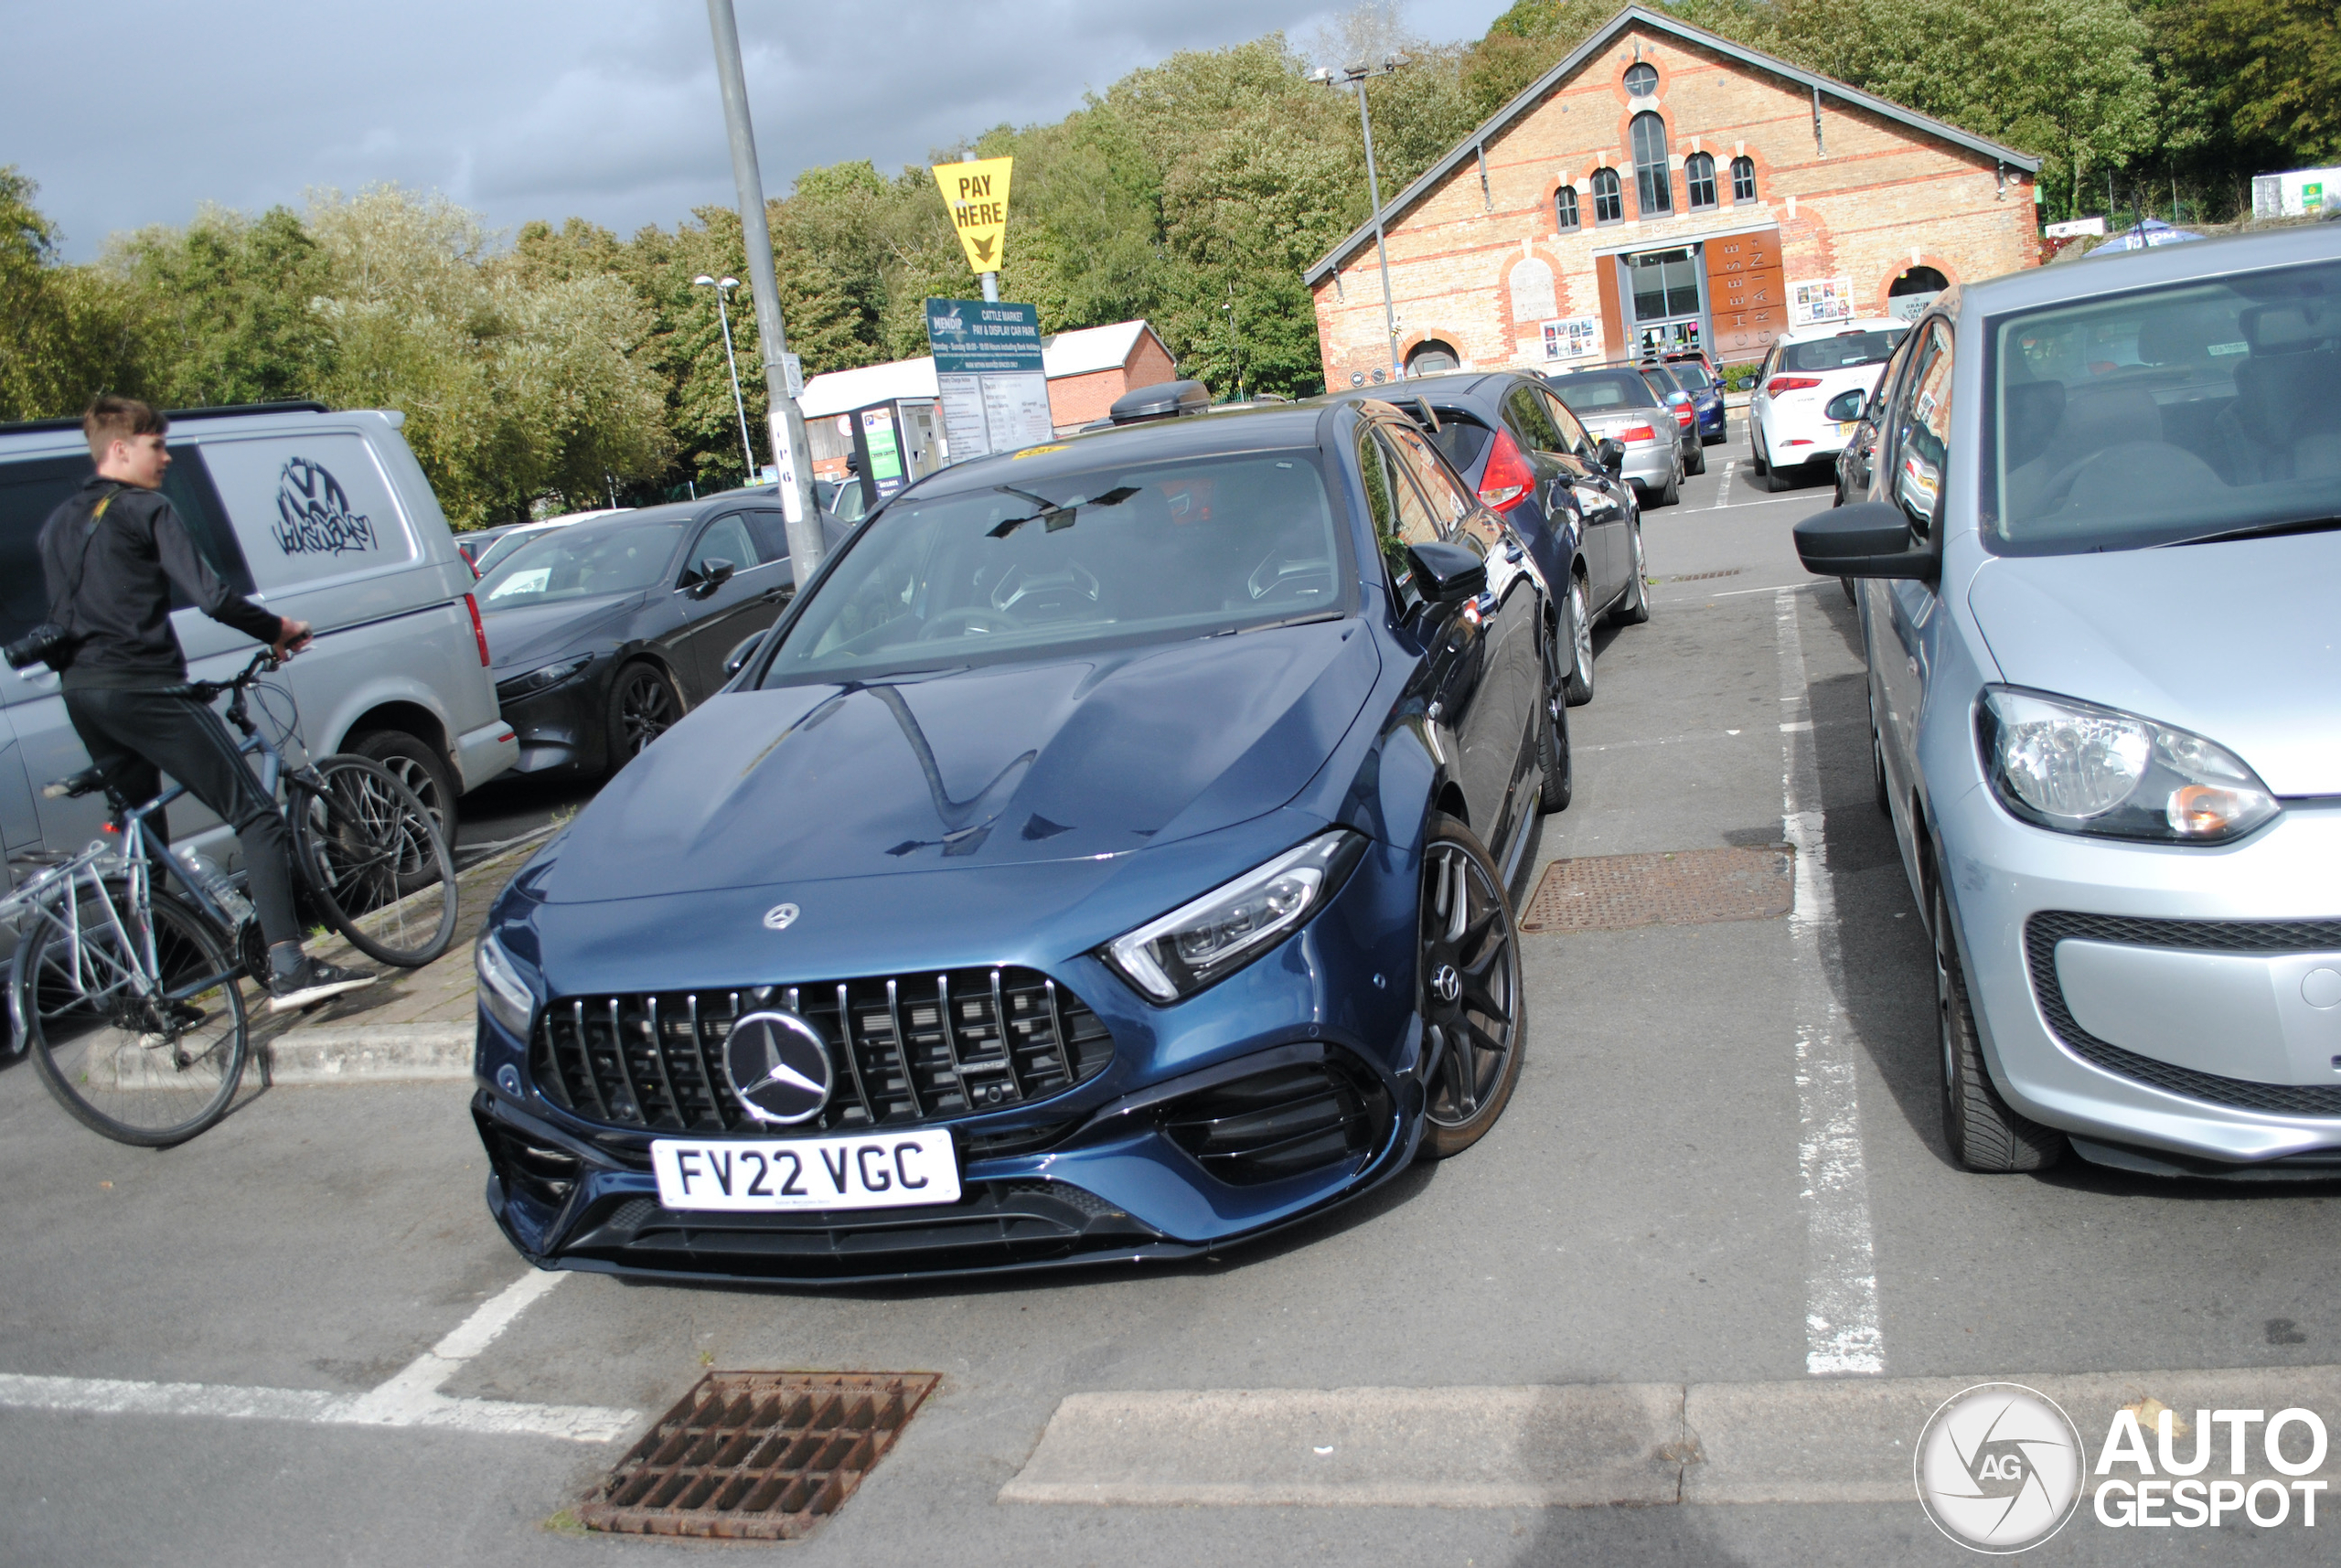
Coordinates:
x,y
1808,368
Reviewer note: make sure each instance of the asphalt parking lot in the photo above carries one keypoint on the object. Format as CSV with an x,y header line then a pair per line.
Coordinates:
x,y
1722,1169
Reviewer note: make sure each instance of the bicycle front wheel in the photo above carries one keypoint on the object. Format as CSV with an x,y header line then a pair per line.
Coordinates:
x,y
147,1061
375,861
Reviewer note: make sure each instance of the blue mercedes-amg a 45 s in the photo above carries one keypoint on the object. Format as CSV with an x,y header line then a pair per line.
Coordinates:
x,y
1108,856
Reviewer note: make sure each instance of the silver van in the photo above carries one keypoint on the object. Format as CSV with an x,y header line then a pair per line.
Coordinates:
x,y
323,517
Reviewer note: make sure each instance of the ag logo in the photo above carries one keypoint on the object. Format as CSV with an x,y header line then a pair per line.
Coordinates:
x,y
778,1066
780,917
313,515
1999,1468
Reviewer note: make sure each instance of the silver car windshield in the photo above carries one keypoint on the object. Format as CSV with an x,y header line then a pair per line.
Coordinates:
x,y
1140,552
2168,415
1604,392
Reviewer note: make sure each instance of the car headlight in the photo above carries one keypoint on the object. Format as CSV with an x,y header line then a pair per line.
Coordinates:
x,y
1203,943
503,994
2079,768
536,680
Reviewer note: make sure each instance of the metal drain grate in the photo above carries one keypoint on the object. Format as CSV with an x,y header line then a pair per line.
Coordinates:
x,y
757,1456
1708,576
1687,886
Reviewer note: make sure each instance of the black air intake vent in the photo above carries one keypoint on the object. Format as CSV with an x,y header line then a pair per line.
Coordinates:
x,y
903,1048
1282,1122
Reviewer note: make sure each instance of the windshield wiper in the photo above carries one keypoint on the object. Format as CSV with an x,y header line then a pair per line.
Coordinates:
x,y
1053,515
2259,531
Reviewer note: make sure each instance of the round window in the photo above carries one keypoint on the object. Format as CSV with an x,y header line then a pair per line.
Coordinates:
x,y
1641,79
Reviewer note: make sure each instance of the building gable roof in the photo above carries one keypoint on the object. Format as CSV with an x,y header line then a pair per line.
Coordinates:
x,y
1535,93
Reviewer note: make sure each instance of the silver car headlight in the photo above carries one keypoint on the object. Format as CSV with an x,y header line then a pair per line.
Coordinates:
x,y
2079,768
1201,942
503,994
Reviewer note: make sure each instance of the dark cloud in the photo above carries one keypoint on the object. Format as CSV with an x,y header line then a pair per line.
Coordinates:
x,y
605,109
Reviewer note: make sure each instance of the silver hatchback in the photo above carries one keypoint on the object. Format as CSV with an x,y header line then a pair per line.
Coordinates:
x,y
2102,545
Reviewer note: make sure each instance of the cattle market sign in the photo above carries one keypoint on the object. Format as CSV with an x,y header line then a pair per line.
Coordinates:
x,y
988,375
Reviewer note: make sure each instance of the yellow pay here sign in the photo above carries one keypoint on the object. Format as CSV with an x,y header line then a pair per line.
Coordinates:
x,y
976,194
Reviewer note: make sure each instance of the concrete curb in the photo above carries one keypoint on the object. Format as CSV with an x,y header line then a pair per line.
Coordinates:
x,y
374,1054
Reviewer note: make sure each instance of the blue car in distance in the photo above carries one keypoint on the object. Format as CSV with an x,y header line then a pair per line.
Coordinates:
x,y
1108,856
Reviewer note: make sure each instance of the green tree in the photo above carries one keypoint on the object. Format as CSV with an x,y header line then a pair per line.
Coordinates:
x,y
2264,76
232,304
66,333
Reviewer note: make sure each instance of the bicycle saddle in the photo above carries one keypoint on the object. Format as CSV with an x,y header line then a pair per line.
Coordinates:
x,y
74,786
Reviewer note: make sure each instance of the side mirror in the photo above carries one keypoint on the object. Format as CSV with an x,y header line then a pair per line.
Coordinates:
x,y
1844,405
1868,539
714,575
737,659
1612,454
1447,574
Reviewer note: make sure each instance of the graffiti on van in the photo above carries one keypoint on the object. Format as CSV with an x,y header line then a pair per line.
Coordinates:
x,y
313,515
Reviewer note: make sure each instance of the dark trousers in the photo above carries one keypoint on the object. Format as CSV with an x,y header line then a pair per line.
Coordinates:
x,y
137,736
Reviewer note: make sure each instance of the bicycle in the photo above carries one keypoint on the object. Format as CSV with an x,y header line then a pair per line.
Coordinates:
x,y
129,997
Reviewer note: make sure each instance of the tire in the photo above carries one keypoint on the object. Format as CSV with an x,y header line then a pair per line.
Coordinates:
x,y
1554,766
1672,494
110,1065
1697,462
1848,584
1578,623
1473,1039
1633,610
644,705
416,765
1983,1132
375,862
1878,764
1770,473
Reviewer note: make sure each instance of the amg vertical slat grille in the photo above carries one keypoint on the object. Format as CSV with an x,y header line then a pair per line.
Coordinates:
x,y
903,1048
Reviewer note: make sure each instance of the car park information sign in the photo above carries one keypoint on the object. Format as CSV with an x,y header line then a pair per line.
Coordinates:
x,y
989,376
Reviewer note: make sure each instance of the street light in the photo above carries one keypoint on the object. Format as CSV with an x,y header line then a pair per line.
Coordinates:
x,y
739,407
1326,76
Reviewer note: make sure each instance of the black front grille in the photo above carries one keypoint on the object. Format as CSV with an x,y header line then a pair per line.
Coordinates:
x,y
903,1048
2043,932
1283,1122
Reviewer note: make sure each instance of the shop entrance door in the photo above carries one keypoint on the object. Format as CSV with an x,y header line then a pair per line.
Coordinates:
x,y
1668,291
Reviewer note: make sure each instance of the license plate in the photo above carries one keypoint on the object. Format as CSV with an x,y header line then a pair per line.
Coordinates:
x,y
891,1172
1846,427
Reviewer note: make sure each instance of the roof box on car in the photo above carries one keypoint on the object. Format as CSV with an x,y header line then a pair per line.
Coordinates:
x,y
1168,400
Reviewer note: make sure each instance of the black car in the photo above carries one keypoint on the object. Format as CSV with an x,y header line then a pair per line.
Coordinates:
x,y
604,633
1536,466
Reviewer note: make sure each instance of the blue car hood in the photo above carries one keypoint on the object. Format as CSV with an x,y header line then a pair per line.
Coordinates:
x,y
2238,642
1015,764
519,639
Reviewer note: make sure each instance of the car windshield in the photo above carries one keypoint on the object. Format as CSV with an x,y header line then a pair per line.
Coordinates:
x,y
1845,350
500,549
1136,552
1602,391
2167,414
581,563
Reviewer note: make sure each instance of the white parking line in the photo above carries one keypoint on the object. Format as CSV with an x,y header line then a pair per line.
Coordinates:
x,y
1841,1322
409,1399
1723,497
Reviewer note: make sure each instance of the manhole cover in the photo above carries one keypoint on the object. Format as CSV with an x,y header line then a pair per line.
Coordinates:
x,y
757,1456
1687,886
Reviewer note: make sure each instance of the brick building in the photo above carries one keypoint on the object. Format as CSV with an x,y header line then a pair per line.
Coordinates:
x,y
1663,183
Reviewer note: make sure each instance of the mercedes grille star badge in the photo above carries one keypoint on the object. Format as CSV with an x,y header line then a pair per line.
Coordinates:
x,y
780,917
778,1066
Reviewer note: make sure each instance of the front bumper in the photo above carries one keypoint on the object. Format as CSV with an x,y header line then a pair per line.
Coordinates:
x,y
1112,1169
563,728
2185,999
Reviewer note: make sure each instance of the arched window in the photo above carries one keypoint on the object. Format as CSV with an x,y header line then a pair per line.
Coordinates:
x,y
1743,179
1608,204
1699,177
1432,357
1565,209
1641,79
1653,187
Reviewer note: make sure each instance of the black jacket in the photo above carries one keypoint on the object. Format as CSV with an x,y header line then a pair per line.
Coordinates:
x,y
112,554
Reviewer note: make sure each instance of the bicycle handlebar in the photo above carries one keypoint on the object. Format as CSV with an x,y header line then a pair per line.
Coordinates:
x,y
210,690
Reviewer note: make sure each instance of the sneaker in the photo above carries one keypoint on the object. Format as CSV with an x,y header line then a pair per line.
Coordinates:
x,y
312,983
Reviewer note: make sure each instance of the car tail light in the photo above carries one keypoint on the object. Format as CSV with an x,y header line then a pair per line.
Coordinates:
x,y
1637,433
1508,479
1780,384
1683,414
479,632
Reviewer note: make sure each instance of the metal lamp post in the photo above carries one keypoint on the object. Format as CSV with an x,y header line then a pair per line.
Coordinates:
x,y
739,405
1326,76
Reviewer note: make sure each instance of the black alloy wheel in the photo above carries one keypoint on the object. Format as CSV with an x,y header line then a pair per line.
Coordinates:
x,y
1553,765
413,764
1877,758
644,705
1983,1131
1475,1018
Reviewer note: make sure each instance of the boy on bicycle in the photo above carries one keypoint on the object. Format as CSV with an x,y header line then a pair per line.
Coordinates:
x,y
112,553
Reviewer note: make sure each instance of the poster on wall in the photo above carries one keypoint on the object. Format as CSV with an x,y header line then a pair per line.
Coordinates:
x,y
1573,338
1820,299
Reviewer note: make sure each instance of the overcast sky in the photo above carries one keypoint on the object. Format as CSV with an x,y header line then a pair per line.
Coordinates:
x,y
135,112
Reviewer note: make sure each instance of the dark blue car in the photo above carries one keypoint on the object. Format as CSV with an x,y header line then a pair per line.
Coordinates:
x,y
1107,856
